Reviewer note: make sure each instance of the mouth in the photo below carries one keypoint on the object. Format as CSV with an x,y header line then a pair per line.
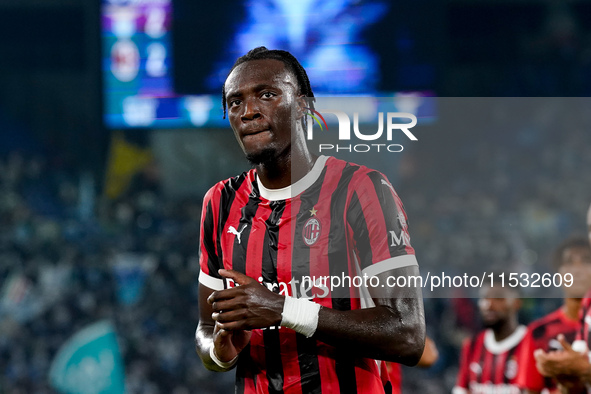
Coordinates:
x,y
255,132
489,316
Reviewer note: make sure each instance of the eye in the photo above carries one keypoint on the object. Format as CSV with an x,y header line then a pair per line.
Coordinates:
x,y
234,103
268,94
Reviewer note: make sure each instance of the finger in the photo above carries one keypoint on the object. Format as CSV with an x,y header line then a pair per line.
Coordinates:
x,y
226,317
224,295
565,345
229,305
540,355
232,326
541,369
236,276
221,335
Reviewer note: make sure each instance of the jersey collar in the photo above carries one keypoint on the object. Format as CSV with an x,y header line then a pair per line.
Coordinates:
x,y
510,342
288,192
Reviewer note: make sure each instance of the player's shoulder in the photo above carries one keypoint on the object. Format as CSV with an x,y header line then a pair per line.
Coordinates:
x,y
357,169
471,341
230,186
586,304
361,175
544,321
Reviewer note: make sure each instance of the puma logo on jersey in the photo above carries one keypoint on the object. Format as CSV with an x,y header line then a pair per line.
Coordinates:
x,y
232,230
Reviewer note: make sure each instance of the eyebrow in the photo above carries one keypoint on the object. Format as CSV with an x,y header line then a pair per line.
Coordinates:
x,y
257,88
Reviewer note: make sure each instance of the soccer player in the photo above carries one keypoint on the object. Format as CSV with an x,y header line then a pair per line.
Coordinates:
x,y
489,362
296,216
573,256
571,366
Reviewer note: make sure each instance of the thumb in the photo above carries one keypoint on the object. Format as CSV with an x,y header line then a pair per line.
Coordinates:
x,y
565,345
236,276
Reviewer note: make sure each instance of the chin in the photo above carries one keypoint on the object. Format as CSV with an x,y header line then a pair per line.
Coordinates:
x,y
492,324
264,156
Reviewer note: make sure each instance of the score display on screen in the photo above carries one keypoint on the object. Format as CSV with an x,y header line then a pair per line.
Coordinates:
x,y
137,62
138,59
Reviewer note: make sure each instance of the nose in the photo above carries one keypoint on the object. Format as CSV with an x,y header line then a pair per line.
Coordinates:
x,y
484,304
251,111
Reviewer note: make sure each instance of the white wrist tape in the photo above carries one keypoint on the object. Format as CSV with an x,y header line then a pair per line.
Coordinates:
x,y
300,315
223,364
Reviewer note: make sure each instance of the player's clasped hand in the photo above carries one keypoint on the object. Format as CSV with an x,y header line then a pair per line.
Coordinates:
x,y
246,306
561,363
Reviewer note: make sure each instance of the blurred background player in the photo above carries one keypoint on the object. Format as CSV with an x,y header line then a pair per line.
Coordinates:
x,y
571,366
573,256
489,362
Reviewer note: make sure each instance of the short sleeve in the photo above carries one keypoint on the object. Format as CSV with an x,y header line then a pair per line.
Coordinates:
x,y
528,376
585,315
379,225
209,261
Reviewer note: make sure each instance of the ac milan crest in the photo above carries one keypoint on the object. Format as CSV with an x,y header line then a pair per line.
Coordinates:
x,y
311,231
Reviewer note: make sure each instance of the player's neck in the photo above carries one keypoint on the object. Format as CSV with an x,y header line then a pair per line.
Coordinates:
x,y
287,169
571,308
503,331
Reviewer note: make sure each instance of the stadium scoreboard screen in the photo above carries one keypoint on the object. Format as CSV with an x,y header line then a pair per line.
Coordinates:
x,y
340,44
137,62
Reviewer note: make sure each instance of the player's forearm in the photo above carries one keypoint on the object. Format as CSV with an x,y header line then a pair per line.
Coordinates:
x,y
380,332
203,345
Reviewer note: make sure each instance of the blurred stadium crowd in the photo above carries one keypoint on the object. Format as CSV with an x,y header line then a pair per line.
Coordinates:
x,y
132,260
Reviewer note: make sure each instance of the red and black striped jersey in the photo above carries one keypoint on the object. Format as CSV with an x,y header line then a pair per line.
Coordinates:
x,y
341,219
488,366
392,377
542,334
583,341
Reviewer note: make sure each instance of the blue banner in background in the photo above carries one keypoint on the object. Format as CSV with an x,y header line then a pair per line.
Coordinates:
x,y
89,362
130,271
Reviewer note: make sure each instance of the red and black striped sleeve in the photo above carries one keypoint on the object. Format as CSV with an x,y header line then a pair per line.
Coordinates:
x,y
583,338
209,261
379,224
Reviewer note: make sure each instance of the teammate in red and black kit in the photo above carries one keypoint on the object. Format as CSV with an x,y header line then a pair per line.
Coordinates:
x,y
489,362
296,215
574,257
571,366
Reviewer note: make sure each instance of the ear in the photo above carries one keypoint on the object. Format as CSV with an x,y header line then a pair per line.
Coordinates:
x,y
302,104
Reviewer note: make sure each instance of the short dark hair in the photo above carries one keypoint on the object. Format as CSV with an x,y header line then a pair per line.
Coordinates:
x,y
573,242
290,62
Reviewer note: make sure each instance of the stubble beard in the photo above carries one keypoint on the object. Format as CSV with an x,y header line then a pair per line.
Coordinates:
x,y
265,157
494,325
